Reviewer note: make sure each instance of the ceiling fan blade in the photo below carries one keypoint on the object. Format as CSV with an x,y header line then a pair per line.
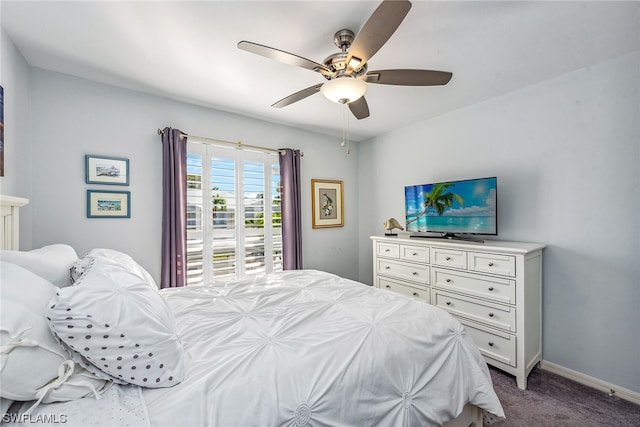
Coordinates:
x,y
297,96
409,77
376,31
359,108
282,56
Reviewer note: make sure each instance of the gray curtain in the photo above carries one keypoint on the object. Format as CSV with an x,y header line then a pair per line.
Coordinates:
x,y
174,215
291,211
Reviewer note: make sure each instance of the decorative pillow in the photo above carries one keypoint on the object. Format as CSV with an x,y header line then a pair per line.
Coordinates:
x,y
118,327
33,366
110,256
20,285
50,262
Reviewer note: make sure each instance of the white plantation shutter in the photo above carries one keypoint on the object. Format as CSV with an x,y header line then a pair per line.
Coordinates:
x,y
242,235
195,236
276,216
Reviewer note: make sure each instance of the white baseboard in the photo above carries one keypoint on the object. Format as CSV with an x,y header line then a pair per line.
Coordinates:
x,y
579,377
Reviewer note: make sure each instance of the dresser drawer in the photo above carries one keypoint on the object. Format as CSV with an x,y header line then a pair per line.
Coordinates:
x,y
493,344
421,294
414,253
389,250
414,272
493,288
499,316
504,265
449,258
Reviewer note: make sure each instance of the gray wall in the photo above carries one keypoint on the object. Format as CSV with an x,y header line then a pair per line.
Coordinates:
x,y
72,117
565,151
14,78
566,154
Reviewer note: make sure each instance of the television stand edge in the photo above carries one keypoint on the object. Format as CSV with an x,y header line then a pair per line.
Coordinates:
x,y
449,236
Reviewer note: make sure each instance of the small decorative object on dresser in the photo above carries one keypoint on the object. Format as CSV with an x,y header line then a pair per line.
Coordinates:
x,y
494,289
389,225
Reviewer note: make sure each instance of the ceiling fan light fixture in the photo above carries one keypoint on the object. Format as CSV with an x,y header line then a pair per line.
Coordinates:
x,y
344,89
354,63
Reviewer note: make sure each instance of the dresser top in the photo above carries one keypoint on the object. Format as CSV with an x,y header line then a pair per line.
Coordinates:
x,y
490,245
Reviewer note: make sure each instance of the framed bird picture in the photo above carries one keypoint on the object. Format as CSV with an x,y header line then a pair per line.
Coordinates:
x,y
327,207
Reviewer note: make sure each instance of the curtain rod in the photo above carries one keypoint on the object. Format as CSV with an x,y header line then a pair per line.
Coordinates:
x,y
238,144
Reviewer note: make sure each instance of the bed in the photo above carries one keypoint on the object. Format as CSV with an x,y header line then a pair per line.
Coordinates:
x,y
10,221
296,348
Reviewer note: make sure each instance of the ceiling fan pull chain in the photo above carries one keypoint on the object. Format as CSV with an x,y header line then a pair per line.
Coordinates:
x,y
346,114
345,128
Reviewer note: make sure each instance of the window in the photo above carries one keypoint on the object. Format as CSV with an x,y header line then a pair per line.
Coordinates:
x,y
242,234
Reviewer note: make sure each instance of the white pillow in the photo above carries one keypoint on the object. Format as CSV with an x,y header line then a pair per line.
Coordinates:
x,y
30,356
25,288
118,327
112,256
50,262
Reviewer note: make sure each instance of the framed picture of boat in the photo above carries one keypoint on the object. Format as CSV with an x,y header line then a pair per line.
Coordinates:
x,y
106,170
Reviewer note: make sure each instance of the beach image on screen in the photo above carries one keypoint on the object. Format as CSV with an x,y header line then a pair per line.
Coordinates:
x,y
452,207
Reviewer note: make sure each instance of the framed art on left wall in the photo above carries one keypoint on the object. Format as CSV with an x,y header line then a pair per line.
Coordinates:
x,y
108,204
1,131
106,170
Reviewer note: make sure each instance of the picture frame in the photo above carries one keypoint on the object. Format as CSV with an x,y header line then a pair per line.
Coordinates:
x,y
1,131
327,203
106,170
108,204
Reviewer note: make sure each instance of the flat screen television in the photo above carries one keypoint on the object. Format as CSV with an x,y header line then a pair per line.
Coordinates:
x,y
455,209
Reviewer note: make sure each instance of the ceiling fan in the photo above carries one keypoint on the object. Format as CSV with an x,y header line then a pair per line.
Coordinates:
x,y
347,72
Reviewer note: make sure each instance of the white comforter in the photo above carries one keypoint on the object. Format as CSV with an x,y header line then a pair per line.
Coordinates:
x,y
303,348
310,348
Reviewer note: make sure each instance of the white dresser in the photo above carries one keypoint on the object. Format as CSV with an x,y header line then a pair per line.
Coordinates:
x,y
493,288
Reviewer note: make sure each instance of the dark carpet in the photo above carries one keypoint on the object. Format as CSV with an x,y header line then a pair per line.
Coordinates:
x,y
554,401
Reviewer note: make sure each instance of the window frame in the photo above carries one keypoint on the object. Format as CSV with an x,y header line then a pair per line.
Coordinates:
x,y
270,162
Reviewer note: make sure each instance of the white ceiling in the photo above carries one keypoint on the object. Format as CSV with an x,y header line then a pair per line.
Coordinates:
x,y
187,50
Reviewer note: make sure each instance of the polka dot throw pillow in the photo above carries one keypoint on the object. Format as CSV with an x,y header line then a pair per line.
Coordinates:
x,y
118,327
110,256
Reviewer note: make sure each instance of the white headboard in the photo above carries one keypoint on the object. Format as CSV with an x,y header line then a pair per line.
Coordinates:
x,y
10,227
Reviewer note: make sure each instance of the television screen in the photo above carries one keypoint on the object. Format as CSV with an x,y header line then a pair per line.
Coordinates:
x,y
453,207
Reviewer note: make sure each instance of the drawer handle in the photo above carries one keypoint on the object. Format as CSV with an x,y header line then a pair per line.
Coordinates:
x,y
387,267
448,280
448,258
490,344
491,288
448,302
490,314
387,286
490,264
415,294
414,254
415,273
387,250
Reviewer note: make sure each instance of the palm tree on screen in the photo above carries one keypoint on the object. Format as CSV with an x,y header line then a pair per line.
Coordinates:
x,y
438,198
